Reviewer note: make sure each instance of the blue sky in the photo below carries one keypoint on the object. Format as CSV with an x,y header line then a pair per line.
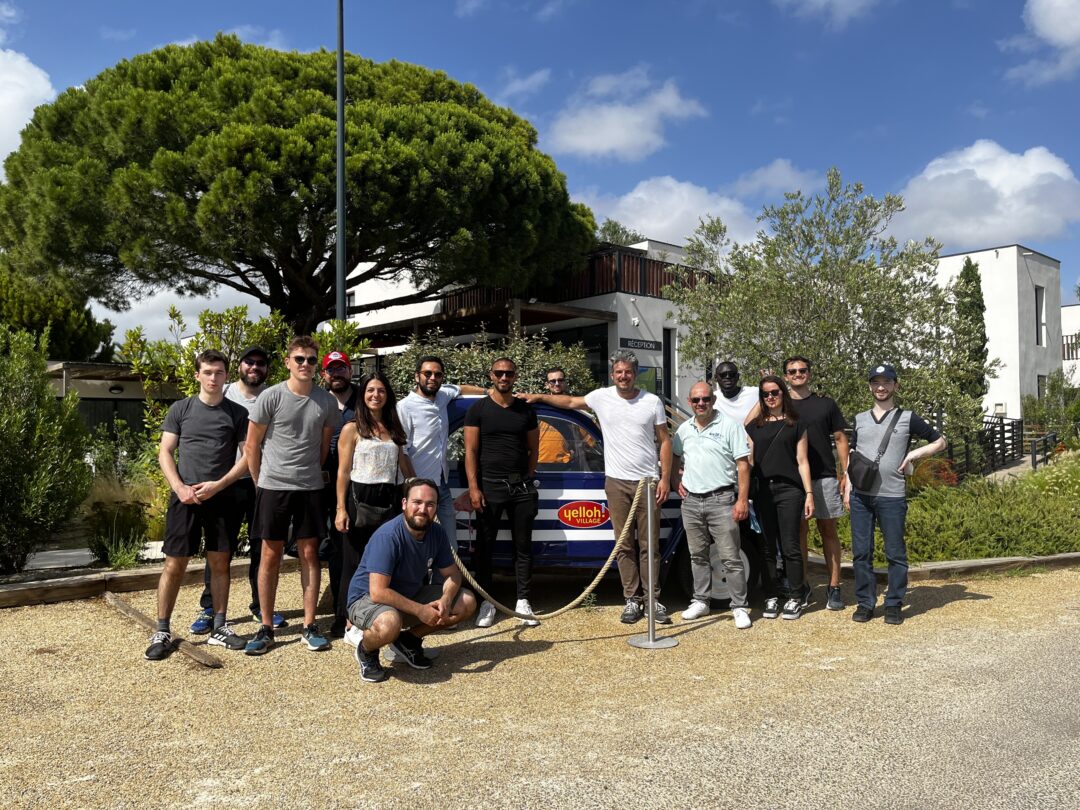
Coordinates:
x,y
659,112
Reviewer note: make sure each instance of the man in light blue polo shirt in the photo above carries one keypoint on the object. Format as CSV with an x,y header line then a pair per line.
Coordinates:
x,y
712,474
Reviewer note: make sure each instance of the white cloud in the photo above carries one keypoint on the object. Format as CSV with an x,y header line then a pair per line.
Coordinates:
x,y
257,35
9,15
977,109
838,12
620,115
1054,27
669,210
984,194
777,110
551,9
521,87
466,8
152,313
116,34
775,180
23,86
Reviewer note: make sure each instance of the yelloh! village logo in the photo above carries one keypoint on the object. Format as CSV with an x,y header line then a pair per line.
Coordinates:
x,y
584,514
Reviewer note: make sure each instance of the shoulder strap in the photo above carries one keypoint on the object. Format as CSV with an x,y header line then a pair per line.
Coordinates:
x,y
888,434
768,449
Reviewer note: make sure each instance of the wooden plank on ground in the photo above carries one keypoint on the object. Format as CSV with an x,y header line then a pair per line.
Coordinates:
x,y
52,590
186,647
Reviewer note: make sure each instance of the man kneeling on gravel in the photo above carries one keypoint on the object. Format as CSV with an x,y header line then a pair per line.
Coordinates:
x,y
391,598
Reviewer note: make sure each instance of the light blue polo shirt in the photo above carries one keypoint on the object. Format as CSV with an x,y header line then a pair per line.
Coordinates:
x,y
709,454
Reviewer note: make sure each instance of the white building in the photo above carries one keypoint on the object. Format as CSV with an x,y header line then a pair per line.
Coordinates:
x,y
1070,342
1022,291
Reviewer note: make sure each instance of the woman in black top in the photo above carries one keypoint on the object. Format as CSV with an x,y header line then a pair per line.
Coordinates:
x,y
784,497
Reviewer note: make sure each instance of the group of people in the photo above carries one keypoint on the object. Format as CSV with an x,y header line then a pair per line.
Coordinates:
x,y
319,468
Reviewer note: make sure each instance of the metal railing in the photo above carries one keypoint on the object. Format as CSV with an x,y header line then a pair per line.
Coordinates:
x,y
1042,449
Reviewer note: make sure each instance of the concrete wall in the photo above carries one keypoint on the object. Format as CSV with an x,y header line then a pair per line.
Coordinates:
x,y
1009,277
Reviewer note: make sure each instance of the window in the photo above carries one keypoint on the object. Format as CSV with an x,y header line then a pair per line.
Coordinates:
x,y
1040,316
1040,386
565,446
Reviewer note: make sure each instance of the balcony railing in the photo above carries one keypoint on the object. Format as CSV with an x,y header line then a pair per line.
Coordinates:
x,y
1070,347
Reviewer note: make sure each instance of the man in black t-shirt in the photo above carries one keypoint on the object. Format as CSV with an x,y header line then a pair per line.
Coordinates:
x,y
502,441
824,424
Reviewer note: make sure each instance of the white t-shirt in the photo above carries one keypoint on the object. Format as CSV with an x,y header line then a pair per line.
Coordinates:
x,y
629,427
740,405
427,425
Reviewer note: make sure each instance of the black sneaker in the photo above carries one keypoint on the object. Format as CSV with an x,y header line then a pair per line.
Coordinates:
x,y
632,612
226,637
371,670
660,615
772,608
792,609
411,650
862,613
161,645
893,615
807,592
833,599
261,642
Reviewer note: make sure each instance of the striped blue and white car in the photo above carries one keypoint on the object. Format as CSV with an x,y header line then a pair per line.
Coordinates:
x,y
573,528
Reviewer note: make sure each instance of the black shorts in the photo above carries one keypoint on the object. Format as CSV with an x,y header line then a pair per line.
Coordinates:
x,y
216,520
284,513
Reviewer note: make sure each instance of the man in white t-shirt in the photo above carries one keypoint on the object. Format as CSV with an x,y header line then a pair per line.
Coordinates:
x,y
733,400
426,422
633,422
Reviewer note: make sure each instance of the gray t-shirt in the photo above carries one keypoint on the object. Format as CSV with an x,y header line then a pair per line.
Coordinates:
x,y
234,394
866,439
209,437
293,441
427,425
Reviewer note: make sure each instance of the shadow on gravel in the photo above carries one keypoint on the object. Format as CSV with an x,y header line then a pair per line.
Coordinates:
x,y
924,598
470,658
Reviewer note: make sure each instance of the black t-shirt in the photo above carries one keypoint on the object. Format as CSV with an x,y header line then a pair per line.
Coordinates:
x,y
774,450
209,437
822,418
504,451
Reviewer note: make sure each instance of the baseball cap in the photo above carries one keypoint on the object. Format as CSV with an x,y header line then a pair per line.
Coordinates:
x,y
250,350
884,370
335,357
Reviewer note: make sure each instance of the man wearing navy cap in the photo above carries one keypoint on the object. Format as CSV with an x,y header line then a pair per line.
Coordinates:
x,y
883,501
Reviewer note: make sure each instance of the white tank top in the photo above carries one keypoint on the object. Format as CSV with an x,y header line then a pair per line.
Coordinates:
x,y
375,461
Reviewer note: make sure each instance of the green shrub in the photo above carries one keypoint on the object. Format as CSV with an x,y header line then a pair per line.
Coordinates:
x,y
43,444
117,532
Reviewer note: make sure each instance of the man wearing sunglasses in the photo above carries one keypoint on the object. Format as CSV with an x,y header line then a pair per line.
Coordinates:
x,y
287,443
824,424
502,441
423,415
732,399
712,474
251,381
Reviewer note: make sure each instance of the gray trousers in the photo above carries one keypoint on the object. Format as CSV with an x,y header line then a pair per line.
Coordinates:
x,y
708,518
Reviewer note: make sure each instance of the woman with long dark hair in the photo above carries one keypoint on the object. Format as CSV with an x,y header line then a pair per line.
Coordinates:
x,y
371,450
784,496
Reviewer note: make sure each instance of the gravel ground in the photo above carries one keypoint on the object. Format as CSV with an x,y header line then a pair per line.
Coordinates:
x,y
970,703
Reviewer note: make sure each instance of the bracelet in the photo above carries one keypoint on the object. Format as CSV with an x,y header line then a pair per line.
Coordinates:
x,y
809,492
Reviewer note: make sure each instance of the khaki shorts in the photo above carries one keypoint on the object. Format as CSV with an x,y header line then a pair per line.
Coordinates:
x,y
363,612
828,504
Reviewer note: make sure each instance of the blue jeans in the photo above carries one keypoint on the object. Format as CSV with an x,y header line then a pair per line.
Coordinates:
x,y
707,518
889,514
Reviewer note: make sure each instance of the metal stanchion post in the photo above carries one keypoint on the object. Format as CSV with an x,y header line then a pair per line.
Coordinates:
x,y
649,641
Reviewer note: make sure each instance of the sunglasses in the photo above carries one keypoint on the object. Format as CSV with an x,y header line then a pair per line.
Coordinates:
x,y
728,375
700,400
300,359
255,363
771,394
438,375
793,371
557,381
504,373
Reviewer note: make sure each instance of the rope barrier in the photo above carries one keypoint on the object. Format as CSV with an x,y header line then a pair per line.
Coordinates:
x,y
642,485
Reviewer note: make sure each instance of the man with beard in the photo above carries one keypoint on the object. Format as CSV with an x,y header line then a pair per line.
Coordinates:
x,y
502,440
254,366
337,377
388,598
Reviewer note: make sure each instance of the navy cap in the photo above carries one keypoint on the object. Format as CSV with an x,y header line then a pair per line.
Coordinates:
x,y
883,370
250,350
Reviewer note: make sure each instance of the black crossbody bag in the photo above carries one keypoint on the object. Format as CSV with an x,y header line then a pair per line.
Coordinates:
x,y
863,472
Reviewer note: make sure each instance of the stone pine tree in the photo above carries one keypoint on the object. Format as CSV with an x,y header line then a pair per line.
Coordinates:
x,y
192,168
971,340
616,233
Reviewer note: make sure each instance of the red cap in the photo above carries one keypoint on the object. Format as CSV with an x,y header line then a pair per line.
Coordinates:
x,y
335,357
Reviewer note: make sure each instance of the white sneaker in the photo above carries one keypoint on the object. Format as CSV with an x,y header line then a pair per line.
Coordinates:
x,y
696,610
485,617
523,606
742,618
353,635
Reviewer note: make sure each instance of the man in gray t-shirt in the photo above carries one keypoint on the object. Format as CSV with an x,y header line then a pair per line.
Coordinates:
x,y
885,501
288,441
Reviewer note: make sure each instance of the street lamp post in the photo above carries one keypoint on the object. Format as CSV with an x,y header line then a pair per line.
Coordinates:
x,y
341,314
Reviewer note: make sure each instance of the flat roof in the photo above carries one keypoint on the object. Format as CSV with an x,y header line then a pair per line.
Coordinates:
x,y
999,247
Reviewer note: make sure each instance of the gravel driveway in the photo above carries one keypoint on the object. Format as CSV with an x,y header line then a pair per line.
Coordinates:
x,y
971,703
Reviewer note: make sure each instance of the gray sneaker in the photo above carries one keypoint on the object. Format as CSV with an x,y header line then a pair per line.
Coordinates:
x,y
632,612
834,600
660,616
